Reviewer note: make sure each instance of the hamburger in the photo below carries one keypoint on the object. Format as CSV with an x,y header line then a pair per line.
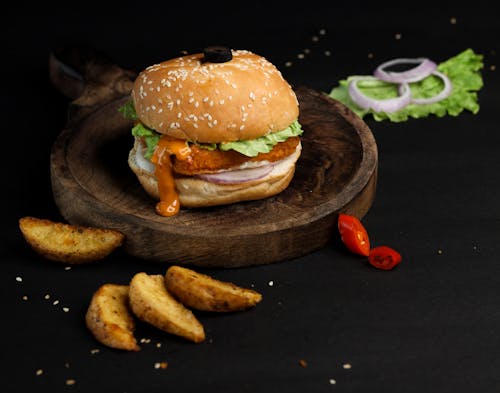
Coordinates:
x,y
213,128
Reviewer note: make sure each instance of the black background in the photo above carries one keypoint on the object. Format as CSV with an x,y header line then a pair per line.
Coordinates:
x,y
430,325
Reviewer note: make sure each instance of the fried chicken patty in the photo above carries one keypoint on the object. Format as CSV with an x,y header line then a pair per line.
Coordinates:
x,y
206,161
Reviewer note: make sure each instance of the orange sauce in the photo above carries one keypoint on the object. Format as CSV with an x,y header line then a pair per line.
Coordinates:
x,y
169,204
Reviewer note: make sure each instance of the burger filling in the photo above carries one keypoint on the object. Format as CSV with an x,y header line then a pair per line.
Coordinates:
x,y
226,162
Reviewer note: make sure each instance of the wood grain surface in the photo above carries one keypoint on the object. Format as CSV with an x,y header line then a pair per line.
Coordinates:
x,y
337,171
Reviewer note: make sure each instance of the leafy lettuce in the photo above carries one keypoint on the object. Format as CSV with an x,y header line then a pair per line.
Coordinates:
x,y
250,148
463,70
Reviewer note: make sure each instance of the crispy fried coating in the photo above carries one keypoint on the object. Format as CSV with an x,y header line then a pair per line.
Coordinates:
x,y
205,161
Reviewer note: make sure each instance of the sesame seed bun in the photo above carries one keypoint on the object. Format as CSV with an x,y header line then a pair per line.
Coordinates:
x,y
189,98
196,192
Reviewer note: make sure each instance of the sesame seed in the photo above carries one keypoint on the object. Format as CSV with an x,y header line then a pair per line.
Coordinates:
x,y
303,363
39,372
221,102
453,20
300,56
288,64
47,297
332,381
94,351
322,32
242,127
346,366
327,53
205,99
252,95
70,382
25,297
55,302
271,283
19,279
398,36
65,309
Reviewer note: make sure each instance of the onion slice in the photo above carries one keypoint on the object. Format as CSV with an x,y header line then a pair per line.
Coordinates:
x,y
438,97
237,176
141,161
424,68
385,105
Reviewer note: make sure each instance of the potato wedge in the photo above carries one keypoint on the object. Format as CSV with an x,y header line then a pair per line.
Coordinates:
x,y
202,292
69,243
151,302
110,319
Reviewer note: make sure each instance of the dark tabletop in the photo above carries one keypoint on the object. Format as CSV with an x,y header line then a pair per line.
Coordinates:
x,y
328,322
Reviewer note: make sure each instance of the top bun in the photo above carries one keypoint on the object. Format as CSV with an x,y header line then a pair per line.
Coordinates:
x,y
193,99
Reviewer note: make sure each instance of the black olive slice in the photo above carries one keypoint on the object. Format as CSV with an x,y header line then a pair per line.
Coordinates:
x,y
217,54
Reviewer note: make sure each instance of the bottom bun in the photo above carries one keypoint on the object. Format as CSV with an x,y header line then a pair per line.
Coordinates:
x,y
196,192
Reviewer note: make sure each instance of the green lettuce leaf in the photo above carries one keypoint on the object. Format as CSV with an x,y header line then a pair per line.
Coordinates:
x,y
128,110
463,70
263,144
149,136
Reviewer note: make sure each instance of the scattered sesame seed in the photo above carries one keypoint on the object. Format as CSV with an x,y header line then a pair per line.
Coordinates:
x,y
271,283
314,38
493,67
39,372
94,351
70,382
47,297
65,309
67,268
327,53
300,56
303,363
347,366
370,55
440,251
398,36
288,64
25,297
19,279
158,345
322,31
162,365
332,381
453,20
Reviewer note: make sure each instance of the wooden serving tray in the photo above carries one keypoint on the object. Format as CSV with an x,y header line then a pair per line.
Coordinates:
x,y
93,185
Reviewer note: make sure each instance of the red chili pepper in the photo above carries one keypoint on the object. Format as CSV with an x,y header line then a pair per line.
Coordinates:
x,y
354,234
383,257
